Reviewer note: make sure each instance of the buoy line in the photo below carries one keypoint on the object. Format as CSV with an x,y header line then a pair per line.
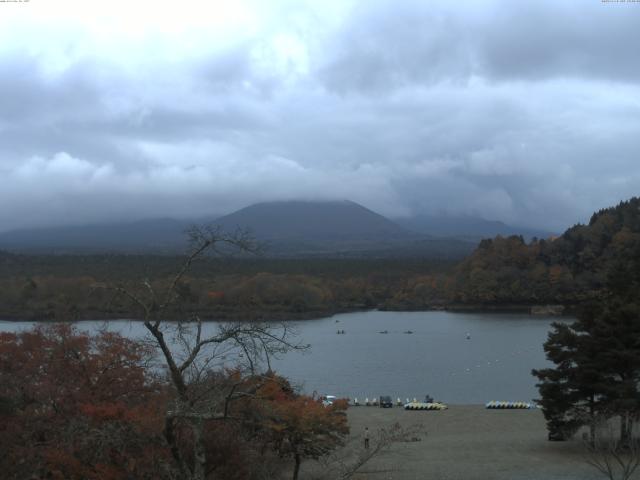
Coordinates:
x,y
490,361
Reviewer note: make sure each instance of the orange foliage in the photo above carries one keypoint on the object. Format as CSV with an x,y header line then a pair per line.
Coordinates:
x,y
300,426
78,407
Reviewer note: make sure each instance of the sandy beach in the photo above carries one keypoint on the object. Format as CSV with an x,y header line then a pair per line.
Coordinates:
x,y
468,443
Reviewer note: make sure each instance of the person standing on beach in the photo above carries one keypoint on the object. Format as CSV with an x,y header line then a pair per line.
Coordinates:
x,y
366,437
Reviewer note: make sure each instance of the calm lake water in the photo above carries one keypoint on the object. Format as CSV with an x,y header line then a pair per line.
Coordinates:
x,y
437,358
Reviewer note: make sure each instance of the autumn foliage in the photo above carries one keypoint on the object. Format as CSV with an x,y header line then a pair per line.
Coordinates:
x,y
75,406
298,426
576,267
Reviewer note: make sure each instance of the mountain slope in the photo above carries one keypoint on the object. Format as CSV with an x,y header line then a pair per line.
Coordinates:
x,y
300,220
465,226
336,229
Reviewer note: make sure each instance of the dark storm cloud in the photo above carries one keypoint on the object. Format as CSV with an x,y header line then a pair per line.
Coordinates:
x,y
526,112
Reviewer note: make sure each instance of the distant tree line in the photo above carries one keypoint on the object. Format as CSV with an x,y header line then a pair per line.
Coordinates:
x,y
69,287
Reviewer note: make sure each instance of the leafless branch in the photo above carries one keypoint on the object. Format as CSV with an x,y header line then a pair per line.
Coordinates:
x,y
188,352
344,466
608,454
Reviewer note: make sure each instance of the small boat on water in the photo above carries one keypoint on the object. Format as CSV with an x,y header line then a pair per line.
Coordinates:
x,y
408,332
509,405
384,331
425,406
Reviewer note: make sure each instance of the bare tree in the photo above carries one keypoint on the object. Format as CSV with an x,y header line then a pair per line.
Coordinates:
x,y
192,351
346,464
613,456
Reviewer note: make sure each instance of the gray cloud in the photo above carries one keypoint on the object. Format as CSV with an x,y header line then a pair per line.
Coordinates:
x,y
561,39
525,112
387,46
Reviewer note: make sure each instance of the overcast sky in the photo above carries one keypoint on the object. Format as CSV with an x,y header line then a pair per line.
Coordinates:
x,y
522,111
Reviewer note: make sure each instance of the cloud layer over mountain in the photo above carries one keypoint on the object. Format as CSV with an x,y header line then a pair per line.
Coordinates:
x,y
526,112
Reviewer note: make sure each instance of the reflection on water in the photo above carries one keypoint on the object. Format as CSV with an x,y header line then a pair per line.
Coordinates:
x,y
454,357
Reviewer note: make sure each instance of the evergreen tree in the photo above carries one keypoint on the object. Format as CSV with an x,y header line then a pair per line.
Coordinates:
x,y
572,392
614,331
597,369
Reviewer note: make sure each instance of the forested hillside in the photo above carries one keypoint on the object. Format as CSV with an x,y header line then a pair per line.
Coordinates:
x,y
574,267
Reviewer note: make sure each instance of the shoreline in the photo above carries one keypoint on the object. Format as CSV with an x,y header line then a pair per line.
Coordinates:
x,y
286,316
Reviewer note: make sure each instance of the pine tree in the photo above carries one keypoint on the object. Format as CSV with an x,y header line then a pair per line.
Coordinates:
x,y
614,330
597,370
572,392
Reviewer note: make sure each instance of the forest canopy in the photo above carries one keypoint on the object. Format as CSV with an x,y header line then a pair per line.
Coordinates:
x,y
567,270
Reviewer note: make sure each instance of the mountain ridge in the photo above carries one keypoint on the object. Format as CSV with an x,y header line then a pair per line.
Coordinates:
x,y
288,228
340,219
469,226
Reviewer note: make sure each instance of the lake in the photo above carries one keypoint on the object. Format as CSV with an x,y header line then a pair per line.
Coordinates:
x,y
438,359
